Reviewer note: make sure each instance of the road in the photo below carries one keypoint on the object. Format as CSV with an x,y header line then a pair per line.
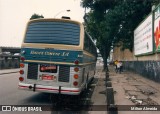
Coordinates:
x,y
10,95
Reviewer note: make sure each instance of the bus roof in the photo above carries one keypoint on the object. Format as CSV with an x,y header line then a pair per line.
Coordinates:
x,y
55,19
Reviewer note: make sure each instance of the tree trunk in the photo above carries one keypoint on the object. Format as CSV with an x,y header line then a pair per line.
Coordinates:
x,y
105,67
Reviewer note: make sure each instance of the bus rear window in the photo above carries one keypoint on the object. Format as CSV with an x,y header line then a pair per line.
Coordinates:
x,y
53,33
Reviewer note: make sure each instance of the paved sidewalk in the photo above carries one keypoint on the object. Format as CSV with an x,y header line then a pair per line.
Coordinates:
x,y
8,71
133,89
99,95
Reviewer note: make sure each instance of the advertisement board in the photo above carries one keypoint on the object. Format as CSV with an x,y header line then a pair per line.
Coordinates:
x,y
157,28
143,38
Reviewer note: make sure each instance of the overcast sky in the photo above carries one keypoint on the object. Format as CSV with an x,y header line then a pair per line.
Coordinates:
x,y
14,15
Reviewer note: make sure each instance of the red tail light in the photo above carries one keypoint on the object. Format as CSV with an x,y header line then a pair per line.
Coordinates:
x,y
76,69
76,62
21,65
21,79
22,58
76,76
21,72
75,83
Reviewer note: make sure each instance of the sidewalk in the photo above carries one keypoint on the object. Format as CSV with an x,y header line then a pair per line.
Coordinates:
x,y
8,71
99,95
132,89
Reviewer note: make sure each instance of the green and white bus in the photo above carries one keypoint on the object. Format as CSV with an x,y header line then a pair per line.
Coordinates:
x,y
57,56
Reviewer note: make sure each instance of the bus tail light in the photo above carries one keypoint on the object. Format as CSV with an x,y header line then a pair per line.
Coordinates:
x,y
75,83
21,65
76,62
22,58
76,69
21,71
21,79
76,76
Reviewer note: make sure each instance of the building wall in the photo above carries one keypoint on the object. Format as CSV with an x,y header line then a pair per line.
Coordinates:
x,y
147,65
149,69
127,55
121,55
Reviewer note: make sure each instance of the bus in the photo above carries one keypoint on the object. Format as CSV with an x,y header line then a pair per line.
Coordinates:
x,y
57,56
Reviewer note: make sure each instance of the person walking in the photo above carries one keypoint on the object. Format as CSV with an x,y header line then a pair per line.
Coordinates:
x,y
115,64
121,66
118,67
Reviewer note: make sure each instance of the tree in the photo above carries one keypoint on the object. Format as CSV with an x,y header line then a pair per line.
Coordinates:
x,y
36,16
99,27
114,21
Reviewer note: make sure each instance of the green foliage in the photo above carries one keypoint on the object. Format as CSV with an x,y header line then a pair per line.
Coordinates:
x,y
114,21
36,16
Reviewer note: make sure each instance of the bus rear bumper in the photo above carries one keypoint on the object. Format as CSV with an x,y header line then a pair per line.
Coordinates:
x,y
49,89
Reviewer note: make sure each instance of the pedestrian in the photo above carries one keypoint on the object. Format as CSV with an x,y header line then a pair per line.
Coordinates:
x,y
121,66
118,67
115,64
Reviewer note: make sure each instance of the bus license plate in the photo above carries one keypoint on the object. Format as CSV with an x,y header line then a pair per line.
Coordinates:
x,y
48,68
47,77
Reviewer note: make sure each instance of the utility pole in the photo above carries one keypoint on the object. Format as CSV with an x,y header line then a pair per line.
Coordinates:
x,y
61,12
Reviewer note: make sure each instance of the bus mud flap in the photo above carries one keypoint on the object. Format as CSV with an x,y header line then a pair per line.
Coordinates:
x,y
59,90
59,99
34,87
